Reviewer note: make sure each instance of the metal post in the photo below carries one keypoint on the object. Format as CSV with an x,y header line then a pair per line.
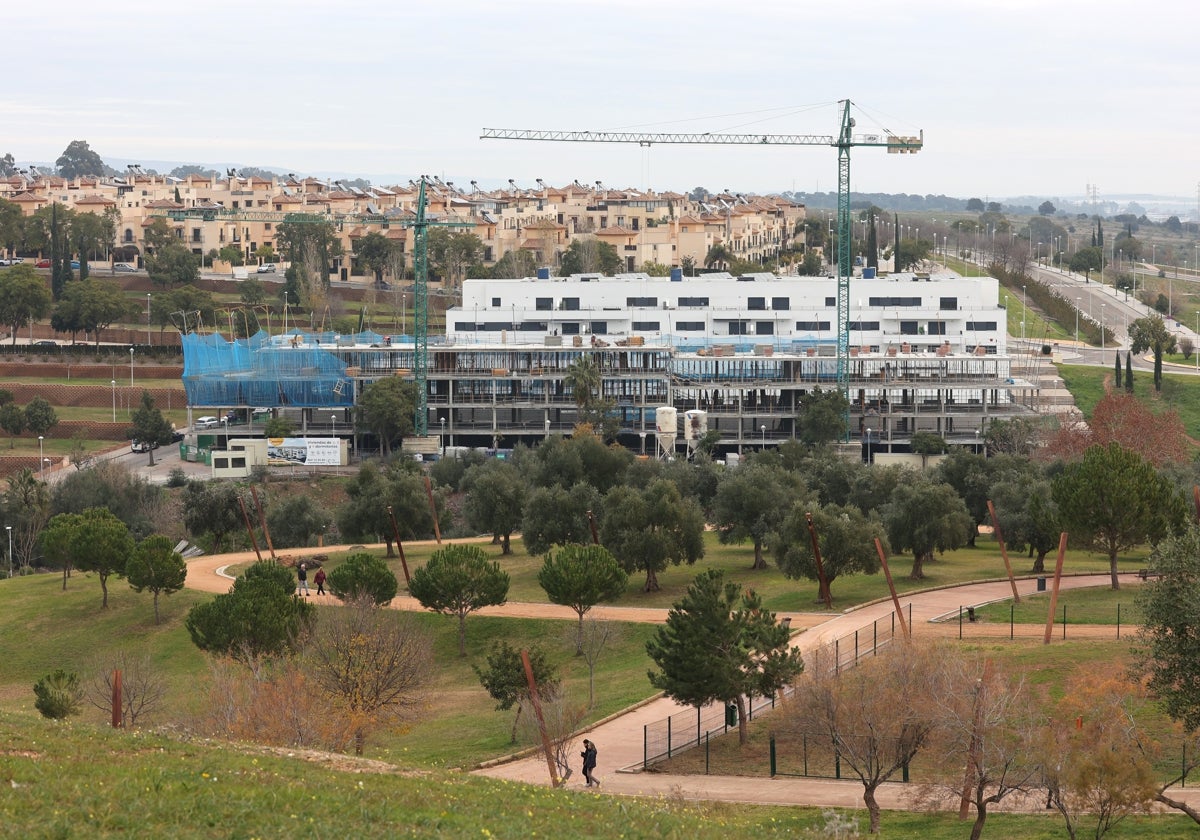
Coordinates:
x,y
130,367
114,400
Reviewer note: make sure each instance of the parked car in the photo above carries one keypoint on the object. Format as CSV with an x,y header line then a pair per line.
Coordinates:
x,y
42,264
7,261
266,268
206,422
261,414
45,342
74,265
142,446
124,267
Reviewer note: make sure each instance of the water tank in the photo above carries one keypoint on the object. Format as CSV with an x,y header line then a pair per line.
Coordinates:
x,y
543,274
868,273
695,424
676,275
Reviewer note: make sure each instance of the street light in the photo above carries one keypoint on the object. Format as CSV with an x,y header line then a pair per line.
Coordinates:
x,y
1102,324
147,319
763,431
1078,303
130,367
10,558
868,446
41,457
114,390
642,435
442,436
1022,313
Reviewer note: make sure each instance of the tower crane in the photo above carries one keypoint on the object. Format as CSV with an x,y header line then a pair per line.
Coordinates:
x,y
843,141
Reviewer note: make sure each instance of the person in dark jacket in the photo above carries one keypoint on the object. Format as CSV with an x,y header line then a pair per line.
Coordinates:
x,y
589,763
302,580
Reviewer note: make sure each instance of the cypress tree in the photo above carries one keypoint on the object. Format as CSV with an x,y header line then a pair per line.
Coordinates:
x,y
1128,372
1117,368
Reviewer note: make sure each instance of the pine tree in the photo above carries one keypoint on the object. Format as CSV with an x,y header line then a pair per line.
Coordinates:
x,y
1128,372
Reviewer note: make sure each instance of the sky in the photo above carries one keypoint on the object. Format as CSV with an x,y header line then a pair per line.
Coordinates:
x,y
1014,98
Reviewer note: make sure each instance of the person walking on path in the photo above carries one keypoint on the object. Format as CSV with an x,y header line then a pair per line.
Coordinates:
x,y
319,580
302,580
589,763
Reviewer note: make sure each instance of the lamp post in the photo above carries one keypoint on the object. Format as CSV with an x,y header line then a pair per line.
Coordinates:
x,y
337,466
762,430
114,392
1077,304
1102,325
442,436
868,431
10,557
147,319
130,367
1022,313
41,458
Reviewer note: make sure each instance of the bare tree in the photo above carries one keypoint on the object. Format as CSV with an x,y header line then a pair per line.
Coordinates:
x,y
591,639
372,664
562,720
142,688
877,715
986,739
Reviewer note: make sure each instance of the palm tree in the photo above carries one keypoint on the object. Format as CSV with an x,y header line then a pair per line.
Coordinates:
x,y
583,378
717,254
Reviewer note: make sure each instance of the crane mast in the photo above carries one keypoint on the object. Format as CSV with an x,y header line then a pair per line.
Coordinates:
x,y
843,142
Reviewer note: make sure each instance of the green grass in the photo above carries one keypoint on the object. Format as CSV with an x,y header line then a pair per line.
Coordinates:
x,y
1037,326
1179,392
149,785
1083,606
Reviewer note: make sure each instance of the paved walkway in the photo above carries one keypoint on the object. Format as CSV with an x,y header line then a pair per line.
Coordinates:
x,y
619,738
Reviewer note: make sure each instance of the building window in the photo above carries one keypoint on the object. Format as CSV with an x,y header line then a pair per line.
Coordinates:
x,y
496,302
764,328
739,328
569,328
690,326
936,328
646,326
948,303
644,302
465,326
864,326
909,328
781,304
894,301
813,326
599,327
692,302
831,301
570,304
239,463
756,304
981,325
543,304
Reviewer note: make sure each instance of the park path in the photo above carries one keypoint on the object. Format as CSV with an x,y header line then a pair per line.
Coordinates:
x,y
620,737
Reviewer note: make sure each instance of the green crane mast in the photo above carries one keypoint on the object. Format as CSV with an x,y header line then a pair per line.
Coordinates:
x,y
843,142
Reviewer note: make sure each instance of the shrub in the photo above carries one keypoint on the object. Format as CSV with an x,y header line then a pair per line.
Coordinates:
x,y
363,576
57,695
177,477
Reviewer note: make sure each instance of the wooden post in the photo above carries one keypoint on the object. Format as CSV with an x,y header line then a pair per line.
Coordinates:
x,y
262,519
537,710
1012,581
399,545
822,584
249,527
117,700
592,524
1058,564
892,588
437,531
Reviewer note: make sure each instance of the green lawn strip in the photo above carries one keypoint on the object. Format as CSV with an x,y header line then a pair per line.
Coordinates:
x,y
1179,392
1083,606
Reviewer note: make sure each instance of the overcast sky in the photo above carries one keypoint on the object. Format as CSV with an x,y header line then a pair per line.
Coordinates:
x,y
1015,98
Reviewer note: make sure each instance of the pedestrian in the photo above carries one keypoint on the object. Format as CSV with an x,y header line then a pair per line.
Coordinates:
x,y
319,580
589,763
302,578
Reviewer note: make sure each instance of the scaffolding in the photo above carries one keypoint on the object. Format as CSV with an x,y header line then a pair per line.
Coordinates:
x,y
297,369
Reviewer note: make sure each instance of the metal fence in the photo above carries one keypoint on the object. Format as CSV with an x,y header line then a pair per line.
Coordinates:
x,y
685,730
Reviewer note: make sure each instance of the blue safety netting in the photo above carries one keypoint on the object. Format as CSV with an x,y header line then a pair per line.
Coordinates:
x,y
270,371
